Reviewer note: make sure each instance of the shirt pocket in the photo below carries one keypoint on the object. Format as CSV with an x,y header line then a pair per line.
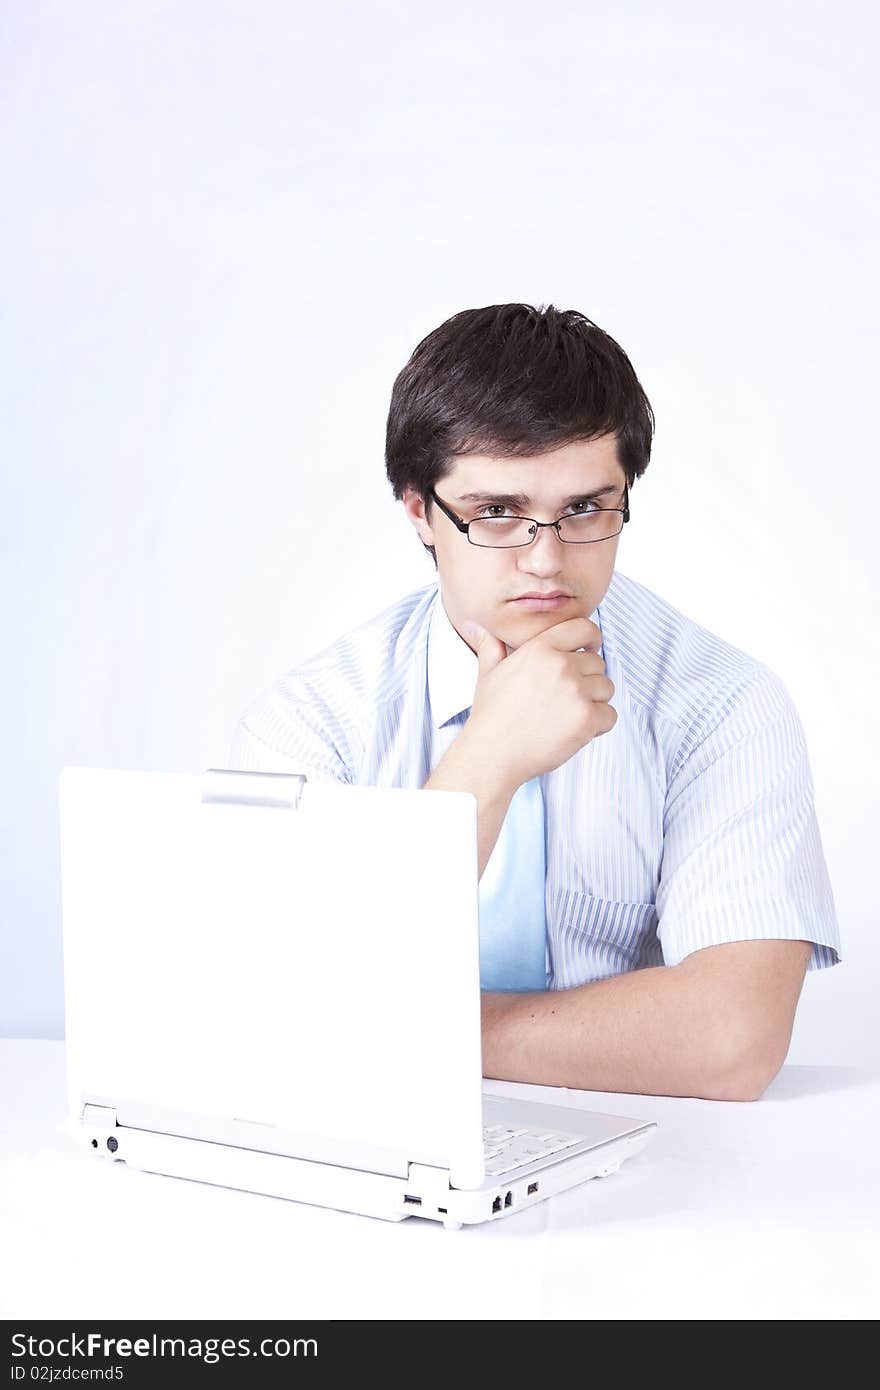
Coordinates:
x,y
592,938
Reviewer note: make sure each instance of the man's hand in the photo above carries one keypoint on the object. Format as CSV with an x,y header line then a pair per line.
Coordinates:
x,y
534,709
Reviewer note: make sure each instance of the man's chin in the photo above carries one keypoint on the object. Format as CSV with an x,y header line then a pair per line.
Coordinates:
x,y
549,617
535,623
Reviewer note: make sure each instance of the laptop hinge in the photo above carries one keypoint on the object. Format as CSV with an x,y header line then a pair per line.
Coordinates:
x,y
227,786
431,1184
104,1116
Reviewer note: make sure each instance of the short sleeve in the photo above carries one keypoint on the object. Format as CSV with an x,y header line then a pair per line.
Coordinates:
x,y
742,854
282,734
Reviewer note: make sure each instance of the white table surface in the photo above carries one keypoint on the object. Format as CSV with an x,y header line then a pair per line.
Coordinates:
x,y
767,1209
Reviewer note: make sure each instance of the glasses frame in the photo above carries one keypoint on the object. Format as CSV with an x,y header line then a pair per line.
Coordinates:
x,y
465,526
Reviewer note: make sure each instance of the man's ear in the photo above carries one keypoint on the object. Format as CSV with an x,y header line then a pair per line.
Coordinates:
x,y
416,509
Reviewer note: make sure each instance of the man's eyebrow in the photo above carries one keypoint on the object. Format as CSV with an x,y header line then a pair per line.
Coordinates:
x,y
519,499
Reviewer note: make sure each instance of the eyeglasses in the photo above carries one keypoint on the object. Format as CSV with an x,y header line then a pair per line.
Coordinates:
x,y
577,528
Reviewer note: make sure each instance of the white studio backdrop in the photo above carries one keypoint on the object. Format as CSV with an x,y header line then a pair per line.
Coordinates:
x,y
226,227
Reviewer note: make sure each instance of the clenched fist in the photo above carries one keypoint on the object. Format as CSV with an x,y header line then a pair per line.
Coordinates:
x,y
533,709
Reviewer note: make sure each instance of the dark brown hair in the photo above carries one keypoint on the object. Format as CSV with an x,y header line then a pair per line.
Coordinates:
x,y
511,380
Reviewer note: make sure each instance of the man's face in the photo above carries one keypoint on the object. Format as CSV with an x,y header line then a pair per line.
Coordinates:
x,y
480,583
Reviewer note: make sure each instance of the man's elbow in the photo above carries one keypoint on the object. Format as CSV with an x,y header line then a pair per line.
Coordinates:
x,y
745,1087
746,1073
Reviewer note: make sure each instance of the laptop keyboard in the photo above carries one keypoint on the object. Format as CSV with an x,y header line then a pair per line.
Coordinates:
x,y
505,1148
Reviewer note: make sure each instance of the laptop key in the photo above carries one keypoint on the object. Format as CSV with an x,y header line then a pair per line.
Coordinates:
x,y
507,1148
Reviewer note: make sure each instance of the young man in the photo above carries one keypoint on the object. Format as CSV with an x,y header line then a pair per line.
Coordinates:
x,y
655,888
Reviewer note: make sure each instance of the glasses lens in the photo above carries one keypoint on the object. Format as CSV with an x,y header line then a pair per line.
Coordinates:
x,y
599,525
500,531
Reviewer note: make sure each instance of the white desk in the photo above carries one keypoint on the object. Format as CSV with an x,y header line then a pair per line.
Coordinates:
x,y
766,1209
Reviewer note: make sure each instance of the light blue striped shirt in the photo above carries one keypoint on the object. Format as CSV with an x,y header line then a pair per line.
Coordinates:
x,y
690,823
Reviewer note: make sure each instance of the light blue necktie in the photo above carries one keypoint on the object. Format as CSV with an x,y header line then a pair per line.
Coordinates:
x,y
513,951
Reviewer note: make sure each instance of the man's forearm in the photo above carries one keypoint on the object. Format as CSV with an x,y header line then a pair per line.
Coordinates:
x,y
462,769
648,1032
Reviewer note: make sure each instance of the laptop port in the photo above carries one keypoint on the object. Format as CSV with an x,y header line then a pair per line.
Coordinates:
x,y
496,1205
532,1187
508,1200
412,1201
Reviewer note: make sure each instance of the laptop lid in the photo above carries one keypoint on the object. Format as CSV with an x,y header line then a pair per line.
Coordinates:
x,y
269,961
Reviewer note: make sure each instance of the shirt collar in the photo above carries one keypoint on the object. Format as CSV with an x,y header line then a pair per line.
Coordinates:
x,y
453,668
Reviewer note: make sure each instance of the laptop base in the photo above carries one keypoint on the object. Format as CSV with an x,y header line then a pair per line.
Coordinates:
x,y
425,1192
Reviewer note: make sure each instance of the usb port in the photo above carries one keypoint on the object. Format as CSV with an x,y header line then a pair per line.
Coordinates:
x,y
532,1187
412,1201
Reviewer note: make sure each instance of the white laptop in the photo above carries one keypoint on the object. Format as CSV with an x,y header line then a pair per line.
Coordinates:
x,y
273,984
